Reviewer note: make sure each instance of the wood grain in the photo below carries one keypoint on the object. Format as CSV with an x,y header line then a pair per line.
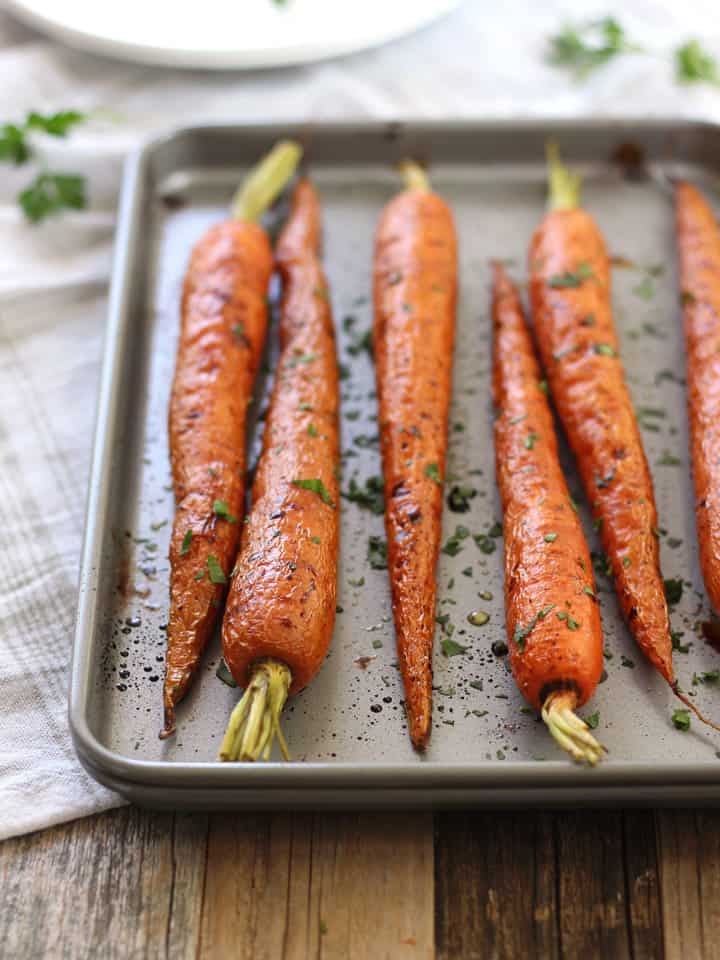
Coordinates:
x,y
495,892
571,885
124,884
689,846
133,884
319,885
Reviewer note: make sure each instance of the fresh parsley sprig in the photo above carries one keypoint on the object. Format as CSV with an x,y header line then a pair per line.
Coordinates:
x,y
49,193
695,65
584,47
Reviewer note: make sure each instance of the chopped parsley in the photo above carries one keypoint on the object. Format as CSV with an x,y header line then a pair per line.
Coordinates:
x,y
485,542
432,472
377,553
530,440
300,358
523,632
645,289
451,648
185,545
681,720
593,720
605,350
550,537
215,571
570,280
222,509
315,485
370,497
708,676
458,500
223,673
312,430
673,591
453,546
669,460
569,622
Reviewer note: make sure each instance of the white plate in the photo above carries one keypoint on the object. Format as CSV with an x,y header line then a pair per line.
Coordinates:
x,y
222,34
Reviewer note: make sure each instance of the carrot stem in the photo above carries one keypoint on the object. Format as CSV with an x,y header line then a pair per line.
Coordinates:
x,y
255,722
415,176
265,181
564,185
568,730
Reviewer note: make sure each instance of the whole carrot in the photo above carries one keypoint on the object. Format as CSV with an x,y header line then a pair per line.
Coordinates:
x,y
224,316
551,610
281,608
570,297
415,291
698,239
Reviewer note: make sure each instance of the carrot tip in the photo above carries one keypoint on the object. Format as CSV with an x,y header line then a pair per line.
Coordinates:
x,y
569,731
255,722
169,724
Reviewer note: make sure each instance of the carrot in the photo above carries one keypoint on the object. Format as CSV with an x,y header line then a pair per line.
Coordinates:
x,y
281,608
415,292
570,297
551,609
224,316
699,248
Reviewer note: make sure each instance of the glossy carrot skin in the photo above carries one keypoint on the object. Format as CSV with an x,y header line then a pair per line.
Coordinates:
x,y
415,291
224,318
699,250
570,297
282,598
547,562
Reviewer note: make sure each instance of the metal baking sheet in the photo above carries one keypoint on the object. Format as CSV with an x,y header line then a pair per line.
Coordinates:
x,y
347,731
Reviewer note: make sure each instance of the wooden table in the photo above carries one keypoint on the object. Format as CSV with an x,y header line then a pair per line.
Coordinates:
x,y
131,884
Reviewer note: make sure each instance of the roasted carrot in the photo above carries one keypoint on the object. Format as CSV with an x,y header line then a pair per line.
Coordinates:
x,y
281,608
224,316
415,291
551,610
698,238
570,297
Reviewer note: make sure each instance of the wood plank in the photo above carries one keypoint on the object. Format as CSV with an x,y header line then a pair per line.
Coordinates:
x,y
528,884
642,884
324,885
591,881
495,886
123,884
689,855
